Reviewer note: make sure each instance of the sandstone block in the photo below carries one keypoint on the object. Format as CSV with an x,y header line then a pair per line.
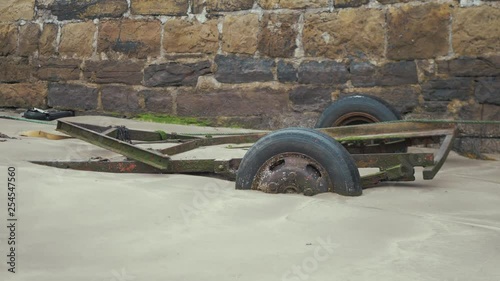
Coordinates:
x,y
47,45
476,31
292,4
72,96
54,69
191,36
325,72
347,33
418,32
310,98
278,35
448,89
390,74
23,95
159,7
29,35
228,102
107,71
175,74
135,38
471,67
235,69
68,10
221,6
14,10
8,39
123,99
240,34
488,90
14,69
77,39
159,101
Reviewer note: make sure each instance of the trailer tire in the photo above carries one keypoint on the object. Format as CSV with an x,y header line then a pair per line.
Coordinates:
x,y
299,160
355,110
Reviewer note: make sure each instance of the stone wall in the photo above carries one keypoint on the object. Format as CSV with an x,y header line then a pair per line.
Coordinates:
x,y
257,63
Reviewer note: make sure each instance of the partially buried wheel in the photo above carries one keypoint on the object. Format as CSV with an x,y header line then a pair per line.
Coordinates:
x,y
357,110
299,160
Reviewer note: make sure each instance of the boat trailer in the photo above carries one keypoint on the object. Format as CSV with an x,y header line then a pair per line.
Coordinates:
x,y
288,169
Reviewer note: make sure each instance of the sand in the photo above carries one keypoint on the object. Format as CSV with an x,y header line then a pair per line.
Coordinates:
x,y
75,225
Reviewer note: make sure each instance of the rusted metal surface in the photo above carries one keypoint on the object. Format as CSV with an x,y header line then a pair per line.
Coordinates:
x,y
138,135
236,139
282,173
391,159
223,168
149,157
440,157
292,173
397,130
355,118
103,166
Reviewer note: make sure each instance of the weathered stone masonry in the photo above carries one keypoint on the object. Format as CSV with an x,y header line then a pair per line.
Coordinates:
x,y
258,63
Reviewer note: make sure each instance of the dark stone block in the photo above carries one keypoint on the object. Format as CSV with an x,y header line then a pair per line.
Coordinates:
x,y
126,72
390,74
76,9
364,74
474,147
232,102
310,98
286,72
159,101
403,98
123,99
215,6
488,90
398,73
471,67
437,109
13,70
235,69
175,74
72,96
325,72
250,122
447,90
55,70
349,3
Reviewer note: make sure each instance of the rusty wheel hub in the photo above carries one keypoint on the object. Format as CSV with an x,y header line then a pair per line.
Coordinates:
x,y
292,173
355,118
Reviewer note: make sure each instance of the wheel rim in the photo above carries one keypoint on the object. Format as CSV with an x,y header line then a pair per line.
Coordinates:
x,y
292,172
355,118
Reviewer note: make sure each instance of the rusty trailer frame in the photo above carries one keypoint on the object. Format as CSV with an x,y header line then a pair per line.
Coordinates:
x,y
370,145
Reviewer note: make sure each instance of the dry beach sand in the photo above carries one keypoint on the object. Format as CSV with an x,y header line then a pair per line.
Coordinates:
x,y
76,225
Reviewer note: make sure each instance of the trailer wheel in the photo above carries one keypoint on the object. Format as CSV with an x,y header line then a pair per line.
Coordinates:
x,y
357,110
299,160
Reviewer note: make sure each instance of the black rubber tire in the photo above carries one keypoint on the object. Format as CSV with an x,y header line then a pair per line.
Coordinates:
x,y
379,109
338,163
